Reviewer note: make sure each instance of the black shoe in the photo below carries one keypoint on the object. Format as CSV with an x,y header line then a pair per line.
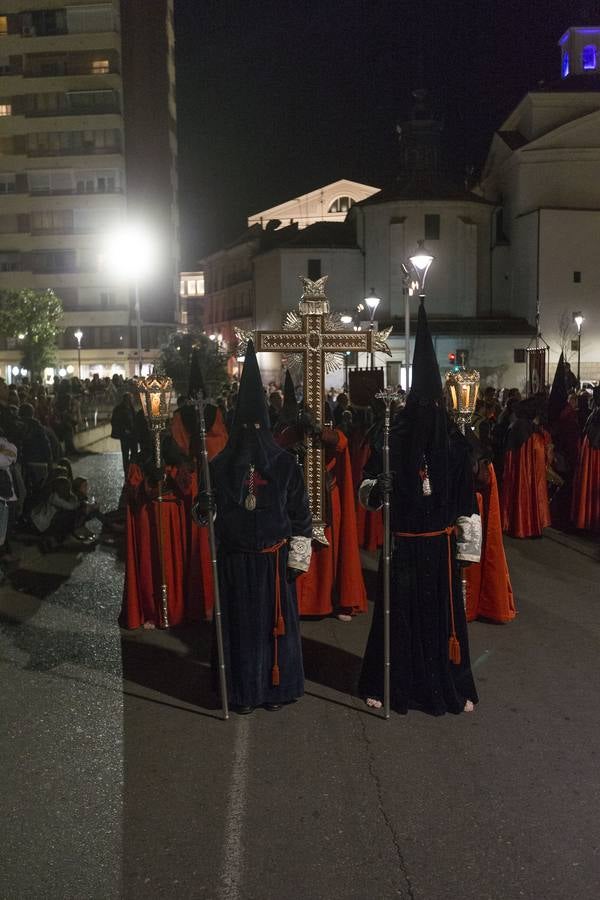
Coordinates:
x,y
244,710
272,707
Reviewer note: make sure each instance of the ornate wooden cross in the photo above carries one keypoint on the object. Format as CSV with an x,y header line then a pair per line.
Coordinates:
x,y
314,336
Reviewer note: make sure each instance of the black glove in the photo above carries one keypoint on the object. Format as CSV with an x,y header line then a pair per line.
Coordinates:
x,y
203,507
385,483
307,422
292,573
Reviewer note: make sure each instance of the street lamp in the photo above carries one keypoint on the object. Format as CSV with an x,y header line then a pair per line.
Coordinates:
x,y
414,282
129,252
78,336
579,320
346,320
372,302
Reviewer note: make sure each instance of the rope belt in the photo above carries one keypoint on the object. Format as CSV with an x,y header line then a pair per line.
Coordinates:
x,y
278,624
453,644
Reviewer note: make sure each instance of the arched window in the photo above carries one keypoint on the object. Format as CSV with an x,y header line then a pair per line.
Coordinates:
x,y
565,64
588,56
341,205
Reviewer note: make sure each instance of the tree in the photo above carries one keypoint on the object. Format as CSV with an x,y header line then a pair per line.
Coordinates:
x,y
35,317
175,359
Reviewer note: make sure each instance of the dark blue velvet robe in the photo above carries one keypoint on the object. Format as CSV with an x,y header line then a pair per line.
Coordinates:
x,y
422,676
247,577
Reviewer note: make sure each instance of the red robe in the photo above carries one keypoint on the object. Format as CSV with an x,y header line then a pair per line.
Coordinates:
x,y
489,591
585,509
335,580
524,507
199,577
369,523
144,573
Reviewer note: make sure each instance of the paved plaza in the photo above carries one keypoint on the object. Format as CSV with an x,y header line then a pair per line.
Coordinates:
x,y
121,781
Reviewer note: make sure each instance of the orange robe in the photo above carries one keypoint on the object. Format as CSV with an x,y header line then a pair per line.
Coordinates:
x,y
334,580
489,591
146,568
525,508
199,578
585,509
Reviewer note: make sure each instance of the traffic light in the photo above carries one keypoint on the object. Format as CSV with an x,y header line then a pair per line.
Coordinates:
x,y
452,358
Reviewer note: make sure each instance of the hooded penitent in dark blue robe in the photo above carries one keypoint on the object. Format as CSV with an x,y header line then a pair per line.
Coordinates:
x,y
262,542
432,493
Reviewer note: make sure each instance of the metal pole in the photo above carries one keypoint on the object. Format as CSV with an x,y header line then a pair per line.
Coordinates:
x,y
138,325
407,334
579,356
213,560
164,609
387,395
79,359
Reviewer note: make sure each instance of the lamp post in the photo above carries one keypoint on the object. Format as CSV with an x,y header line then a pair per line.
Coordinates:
x,y
78,335
579,320
130,252
372,302
414,282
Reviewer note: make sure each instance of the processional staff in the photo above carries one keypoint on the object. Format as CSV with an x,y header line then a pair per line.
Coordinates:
x,y
197,394
389,396
155,398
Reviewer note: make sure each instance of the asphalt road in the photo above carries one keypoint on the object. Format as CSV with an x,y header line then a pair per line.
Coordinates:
x,y
119,780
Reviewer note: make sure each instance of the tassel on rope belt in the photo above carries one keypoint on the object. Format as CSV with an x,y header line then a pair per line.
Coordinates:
x,y
279,623
453,644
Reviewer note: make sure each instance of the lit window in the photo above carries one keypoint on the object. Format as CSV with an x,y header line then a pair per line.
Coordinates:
x,y
184,317
565,64
191,288
100,67
182,288
5,109
588,57
341,205
3,24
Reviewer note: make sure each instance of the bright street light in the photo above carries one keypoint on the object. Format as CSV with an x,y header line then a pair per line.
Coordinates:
x,y
346,320
579,320
372,302
130,253
78,335
421,262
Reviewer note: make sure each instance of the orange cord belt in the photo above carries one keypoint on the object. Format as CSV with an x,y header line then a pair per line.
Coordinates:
x,y
279,624
453,644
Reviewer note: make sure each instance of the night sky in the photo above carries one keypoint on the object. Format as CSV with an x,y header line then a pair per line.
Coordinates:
x,y
279,97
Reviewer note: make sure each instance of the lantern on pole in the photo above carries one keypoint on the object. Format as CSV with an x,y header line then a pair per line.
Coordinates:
x,y
463,390
155,398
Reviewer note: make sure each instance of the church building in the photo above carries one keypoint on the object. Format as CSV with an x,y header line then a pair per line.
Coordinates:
x,y
520,242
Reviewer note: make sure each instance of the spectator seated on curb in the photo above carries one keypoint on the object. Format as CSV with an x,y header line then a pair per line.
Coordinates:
x,y
58,517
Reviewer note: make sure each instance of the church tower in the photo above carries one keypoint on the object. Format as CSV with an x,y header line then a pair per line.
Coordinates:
x,y
580,52
420,137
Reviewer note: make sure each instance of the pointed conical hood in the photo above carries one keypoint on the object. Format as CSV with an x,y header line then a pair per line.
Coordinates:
x,y
426,382
196,385
558,394
289,410
251,404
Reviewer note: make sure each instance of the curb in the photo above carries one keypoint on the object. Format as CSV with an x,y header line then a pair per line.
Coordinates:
x,y
585,546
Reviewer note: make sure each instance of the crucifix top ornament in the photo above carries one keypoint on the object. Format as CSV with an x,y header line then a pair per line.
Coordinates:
x,y
315,338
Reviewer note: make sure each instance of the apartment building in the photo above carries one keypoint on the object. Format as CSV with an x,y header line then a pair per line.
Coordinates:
x,y
88,143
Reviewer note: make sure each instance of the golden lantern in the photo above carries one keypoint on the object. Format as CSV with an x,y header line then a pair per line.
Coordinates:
x,y
463,389
155,392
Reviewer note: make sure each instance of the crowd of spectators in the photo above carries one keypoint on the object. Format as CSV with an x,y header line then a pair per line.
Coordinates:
x,y
38,425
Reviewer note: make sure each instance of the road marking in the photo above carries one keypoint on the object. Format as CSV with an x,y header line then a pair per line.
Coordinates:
x,y
233,862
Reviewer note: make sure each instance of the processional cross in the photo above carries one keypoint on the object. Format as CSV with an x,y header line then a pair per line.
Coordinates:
x,y
315,337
